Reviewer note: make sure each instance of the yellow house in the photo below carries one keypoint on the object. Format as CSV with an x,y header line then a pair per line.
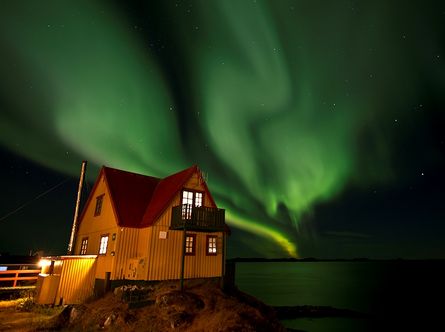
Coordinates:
x,y
135,224
138,227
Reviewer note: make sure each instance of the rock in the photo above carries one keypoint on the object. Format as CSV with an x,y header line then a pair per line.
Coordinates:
x,y
108,321
179,319
180,301
133,293
118,292
75,313
64,317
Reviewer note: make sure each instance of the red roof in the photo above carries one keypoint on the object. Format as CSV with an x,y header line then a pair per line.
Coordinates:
x,y
164,193
130,193
138,200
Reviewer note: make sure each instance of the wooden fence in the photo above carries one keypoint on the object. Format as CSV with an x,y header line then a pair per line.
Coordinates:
x,y
16,278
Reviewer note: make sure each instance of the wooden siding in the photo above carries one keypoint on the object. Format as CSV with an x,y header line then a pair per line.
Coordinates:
x,y
71,281
127,247
46,288
164,261
164,255
76,280
94,227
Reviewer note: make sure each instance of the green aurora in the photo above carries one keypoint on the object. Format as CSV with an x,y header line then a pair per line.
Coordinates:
x,y
282,103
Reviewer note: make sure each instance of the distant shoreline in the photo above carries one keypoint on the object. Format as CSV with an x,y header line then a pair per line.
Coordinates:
x,y
310,311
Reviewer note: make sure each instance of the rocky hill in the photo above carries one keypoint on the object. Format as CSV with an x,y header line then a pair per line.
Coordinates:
x,y
202,306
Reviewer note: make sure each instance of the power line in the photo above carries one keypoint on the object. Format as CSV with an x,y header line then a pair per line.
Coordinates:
x,y
34,199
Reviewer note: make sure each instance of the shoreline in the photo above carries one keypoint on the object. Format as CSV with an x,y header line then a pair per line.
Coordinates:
x,y
310,311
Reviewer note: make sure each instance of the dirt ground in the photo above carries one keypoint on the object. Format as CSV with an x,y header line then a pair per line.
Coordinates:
x,y
12,319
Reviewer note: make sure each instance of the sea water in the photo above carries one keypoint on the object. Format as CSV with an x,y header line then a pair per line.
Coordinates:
x,y
396,294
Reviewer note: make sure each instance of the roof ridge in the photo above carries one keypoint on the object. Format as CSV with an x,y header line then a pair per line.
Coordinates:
x,y
165,178
130,194
185,174
128,172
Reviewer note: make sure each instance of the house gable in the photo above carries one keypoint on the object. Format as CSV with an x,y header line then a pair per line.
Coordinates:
x,y
197,183
135,201
93,225
130,193
170,189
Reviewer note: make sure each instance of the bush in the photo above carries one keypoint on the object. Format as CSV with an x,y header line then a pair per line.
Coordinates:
x,y
26,304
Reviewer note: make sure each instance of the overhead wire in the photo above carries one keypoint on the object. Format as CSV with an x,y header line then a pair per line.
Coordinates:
x,y
34,199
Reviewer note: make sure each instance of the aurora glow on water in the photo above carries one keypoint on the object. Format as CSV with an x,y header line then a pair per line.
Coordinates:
x,y
283,103
397,295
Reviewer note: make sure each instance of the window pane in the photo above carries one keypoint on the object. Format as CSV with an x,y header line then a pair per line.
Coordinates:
x,y
198,199
190,245
98,209
84,246
187,203
211,245
103,245
187,197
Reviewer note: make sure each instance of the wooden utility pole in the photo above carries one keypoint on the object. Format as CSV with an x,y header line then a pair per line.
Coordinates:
x,y
76,211
183,258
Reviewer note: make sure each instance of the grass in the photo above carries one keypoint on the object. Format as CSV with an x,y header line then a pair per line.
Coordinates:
x,y
23,314
9,303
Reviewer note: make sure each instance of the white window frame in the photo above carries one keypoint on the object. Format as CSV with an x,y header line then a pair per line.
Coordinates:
x,y
190,199
190,245
84,246
103,244
211,247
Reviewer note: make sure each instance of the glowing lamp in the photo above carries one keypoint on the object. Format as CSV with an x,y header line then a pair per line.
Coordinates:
x,y
44,262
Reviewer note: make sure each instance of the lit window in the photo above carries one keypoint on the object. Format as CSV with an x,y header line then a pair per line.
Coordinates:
x,y
211,245
187,203
187,197
84,246
198,199
189,200
99,201
190,244
103,245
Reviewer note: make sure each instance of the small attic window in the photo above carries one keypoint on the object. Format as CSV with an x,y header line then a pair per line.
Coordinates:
x,y
99,201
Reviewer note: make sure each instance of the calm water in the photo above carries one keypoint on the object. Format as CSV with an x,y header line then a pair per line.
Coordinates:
x,y
398,294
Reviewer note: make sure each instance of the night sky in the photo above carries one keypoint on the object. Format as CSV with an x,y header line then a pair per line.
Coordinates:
x,y
320,125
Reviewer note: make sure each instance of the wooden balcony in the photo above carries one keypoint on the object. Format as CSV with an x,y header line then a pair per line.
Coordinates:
x,y
199,219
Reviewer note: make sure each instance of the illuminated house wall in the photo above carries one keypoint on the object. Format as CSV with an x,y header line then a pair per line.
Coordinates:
x,y
136,215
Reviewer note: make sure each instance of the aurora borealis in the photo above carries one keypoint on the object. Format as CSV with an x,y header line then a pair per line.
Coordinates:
x,y
300,112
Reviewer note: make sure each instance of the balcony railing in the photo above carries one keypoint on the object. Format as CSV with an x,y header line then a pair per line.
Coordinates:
x,y
15,278
194,218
